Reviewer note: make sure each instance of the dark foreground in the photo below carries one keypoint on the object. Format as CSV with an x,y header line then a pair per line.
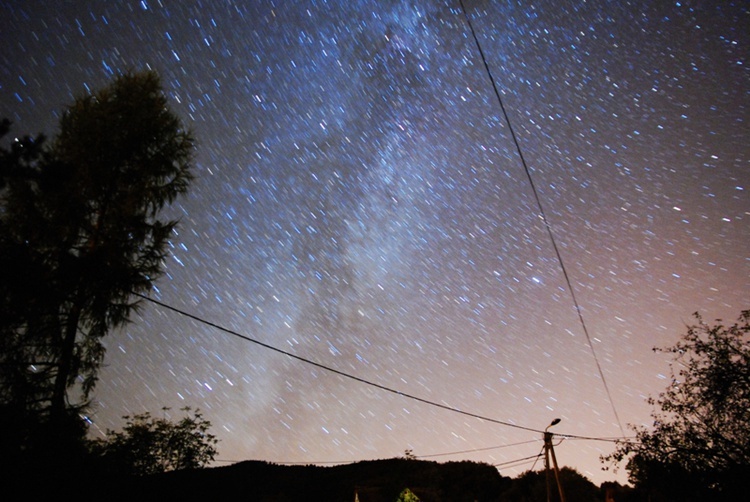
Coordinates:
x,y
369,481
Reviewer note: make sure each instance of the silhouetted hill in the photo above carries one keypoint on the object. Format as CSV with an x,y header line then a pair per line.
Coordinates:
x,y
372,481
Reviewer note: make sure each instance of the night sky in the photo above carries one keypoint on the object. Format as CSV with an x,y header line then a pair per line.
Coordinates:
x,y
359,202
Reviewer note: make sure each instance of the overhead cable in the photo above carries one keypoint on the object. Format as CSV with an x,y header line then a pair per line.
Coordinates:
x,y
473,450
335,371
356,378
543,215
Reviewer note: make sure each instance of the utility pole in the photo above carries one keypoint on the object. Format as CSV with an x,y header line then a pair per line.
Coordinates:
x,y
549,450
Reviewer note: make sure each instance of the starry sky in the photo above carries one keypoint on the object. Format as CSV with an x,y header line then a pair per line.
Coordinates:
x,y
360,202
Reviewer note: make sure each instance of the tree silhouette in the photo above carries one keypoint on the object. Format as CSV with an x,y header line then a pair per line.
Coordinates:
x,y
149,445
532,485
80,232
699,445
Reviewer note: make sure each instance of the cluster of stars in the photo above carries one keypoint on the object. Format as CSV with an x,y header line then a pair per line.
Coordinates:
x,y
360,202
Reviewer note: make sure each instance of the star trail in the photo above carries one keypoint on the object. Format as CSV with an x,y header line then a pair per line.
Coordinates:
x,y
360,202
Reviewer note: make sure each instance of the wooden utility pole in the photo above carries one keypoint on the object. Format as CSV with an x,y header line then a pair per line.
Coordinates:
x,y
549,450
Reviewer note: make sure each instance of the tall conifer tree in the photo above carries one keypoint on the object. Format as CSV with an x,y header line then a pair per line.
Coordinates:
x,y
82,230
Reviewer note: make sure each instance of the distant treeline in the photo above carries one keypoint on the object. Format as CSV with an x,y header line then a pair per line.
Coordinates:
x,y
367,481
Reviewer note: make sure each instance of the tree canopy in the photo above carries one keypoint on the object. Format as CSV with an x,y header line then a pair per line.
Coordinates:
x,y
532,485
699,444
150,445
81,231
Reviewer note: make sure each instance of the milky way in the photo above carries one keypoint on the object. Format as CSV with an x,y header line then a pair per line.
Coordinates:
x,y
360,202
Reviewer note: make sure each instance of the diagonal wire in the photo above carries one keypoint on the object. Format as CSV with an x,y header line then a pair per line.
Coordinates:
x,y
367,382
474,450
539,455
333,370
543,215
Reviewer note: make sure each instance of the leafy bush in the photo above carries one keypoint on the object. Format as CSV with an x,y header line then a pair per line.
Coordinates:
x,y
150,445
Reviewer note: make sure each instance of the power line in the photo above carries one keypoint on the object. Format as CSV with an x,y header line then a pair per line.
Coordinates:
x,y
542,214
359,379
473,450
333,370
510,463
539,455
445,454
520,461
611,439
